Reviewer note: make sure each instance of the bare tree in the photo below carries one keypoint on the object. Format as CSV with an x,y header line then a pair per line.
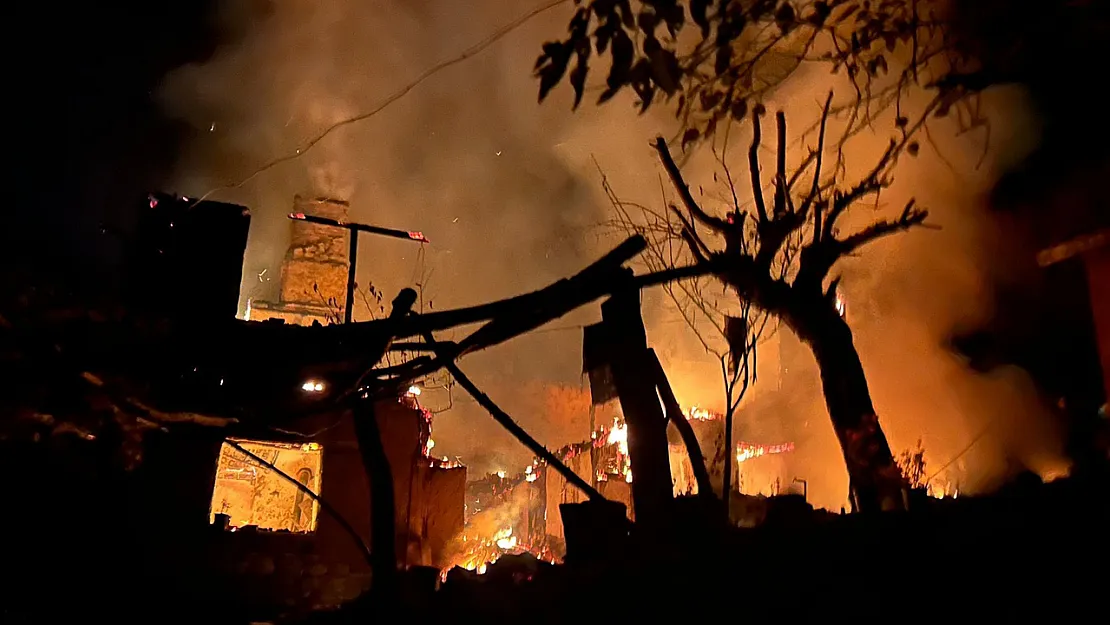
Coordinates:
x,y
776,259
731,334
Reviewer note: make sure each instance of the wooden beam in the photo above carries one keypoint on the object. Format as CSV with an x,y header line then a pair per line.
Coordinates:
x,y
1073,248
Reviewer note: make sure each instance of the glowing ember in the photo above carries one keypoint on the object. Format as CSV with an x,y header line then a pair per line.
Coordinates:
x,y
414,391
313,386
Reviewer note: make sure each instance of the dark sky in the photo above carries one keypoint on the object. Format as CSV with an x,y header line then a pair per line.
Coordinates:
x,y
89,135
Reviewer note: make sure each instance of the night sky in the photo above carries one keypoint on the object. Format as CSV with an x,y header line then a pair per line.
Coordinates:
x,y
90,138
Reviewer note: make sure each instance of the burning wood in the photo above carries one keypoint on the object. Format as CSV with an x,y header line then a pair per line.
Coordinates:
x,y
512,514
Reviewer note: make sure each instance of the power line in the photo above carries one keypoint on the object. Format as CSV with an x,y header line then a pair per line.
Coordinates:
x,y
397,95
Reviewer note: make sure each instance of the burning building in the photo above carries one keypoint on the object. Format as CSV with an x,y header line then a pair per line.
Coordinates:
x,y
520,512
264,487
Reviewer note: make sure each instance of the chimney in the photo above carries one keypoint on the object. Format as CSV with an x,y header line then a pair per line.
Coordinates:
x,y
315,267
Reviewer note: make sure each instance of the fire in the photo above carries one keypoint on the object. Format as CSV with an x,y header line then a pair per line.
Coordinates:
x,y
618,435
481,552
409,398
695,413
494,527
942,491
747,451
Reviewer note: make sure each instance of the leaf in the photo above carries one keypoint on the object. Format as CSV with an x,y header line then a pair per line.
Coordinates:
x,y
552,72
722,59
739,109
621,57
698,10
710,99
665,70
736,334
551,50
627,16
913,148
578,76
901,122
820,13
690,136
785,17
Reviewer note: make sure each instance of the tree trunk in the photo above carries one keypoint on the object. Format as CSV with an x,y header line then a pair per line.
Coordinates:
x,y
875,481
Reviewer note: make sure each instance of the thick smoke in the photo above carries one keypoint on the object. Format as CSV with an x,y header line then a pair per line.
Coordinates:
x,y
509,195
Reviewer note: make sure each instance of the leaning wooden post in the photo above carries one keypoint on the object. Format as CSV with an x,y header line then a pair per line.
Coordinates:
x,y
629,362
689,438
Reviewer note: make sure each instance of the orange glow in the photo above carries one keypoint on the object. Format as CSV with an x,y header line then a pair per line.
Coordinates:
x,y
251,493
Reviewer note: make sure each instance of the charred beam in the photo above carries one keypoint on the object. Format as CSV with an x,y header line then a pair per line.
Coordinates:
x,y
674,415
515,429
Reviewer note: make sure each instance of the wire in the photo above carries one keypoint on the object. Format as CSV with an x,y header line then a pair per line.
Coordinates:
x,y
975,440
307,491
397,95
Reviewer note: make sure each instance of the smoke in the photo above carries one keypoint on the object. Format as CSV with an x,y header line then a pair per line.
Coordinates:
x,y
509,195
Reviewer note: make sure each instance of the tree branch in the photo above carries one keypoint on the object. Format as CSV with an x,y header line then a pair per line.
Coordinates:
x,y
715,223
911,216
753,168
815,188
782,193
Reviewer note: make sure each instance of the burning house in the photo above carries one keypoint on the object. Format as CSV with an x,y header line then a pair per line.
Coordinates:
x,y
519,513
244,454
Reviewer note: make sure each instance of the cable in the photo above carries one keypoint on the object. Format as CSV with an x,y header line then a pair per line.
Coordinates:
x,y
975,440
397,95
324,505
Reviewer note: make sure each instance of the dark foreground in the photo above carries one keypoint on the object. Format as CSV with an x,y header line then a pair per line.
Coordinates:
x,y
78,550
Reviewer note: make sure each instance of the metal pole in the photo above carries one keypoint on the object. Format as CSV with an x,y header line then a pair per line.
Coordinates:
x,y
352,258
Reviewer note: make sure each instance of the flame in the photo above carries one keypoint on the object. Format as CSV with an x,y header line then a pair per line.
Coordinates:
x,y
747,451
841,307
942,491
618,435
481,547
695,413
481,552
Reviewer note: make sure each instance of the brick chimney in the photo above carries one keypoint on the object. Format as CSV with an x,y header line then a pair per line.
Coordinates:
x,y
315,269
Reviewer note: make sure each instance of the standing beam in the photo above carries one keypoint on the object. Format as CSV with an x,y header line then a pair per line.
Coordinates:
x,y
652,490
352,259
